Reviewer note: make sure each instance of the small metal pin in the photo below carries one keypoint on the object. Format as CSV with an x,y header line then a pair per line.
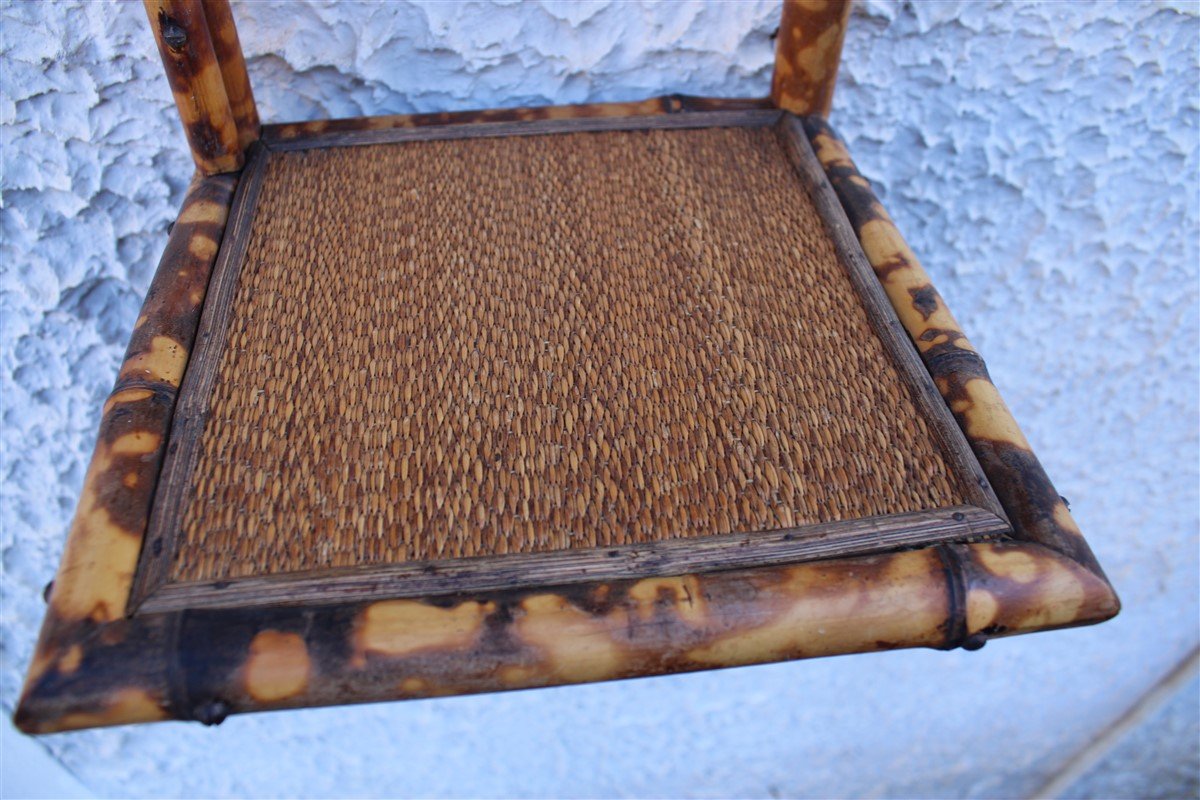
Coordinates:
x,y
213,712
974,642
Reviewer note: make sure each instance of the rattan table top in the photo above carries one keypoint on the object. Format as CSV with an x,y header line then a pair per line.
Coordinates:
x,y
446,349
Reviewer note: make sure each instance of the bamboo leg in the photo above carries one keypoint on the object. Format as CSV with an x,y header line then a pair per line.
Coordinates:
x,y
225,43
807,53
182,34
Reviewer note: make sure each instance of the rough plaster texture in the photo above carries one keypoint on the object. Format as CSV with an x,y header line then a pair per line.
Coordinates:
x,y
1158,761
1041,158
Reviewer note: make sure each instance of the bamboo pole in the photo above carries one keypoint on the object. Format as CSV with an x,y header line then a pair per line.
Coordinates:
x,y
228,48
182,33
807,53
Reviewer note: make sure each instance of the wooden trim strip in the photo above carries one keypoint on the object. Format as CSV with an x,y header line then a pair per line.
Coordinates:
x,y
182,34
204,665
1034,507
924,393
755,118
192,411
807,53
427,579
667,104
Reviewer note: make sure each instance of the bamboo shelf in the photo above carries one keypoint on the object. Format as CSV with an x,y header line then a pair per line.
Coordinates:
x,y
456,403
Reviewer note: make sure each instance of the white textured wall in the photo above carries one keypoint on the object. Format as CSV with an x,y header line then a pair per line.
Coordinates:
x,y
1041,158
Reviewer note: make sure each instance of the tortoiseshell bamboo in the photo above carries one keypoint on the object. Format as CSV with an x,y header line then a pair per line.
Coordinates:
x,y
1034,507
807,52
93,583
204,665
182,33
228,49
98,664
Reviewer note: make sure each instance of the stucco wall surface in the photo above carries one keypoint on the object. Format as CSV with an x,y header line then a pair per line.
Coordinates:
x,y
1042,158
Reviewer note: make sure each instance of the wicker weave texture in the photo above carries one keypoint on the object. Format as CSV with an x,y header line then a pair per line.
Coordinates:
x,y
458,348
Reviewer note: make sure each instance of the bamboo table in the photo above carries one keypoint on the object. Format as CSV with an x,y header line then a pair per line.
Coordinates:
x,y
450,403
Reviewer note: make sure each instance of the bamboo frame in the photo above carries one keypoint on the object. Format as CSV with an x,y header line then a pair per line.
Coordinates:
x,y
96,665
204,665
99,663
1038,513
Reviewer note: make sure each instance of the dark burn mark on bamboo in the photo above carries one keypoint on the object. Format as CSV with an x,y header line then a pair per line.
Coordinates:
x,y
205,138
206,675
126,489
948,336
95,668
852,189
947,361
595,599
925,300
885,269
1028,496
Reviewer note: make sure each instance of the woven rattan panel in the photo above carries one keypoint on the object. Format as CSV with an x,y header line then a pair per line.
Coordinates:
x,y
458,348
